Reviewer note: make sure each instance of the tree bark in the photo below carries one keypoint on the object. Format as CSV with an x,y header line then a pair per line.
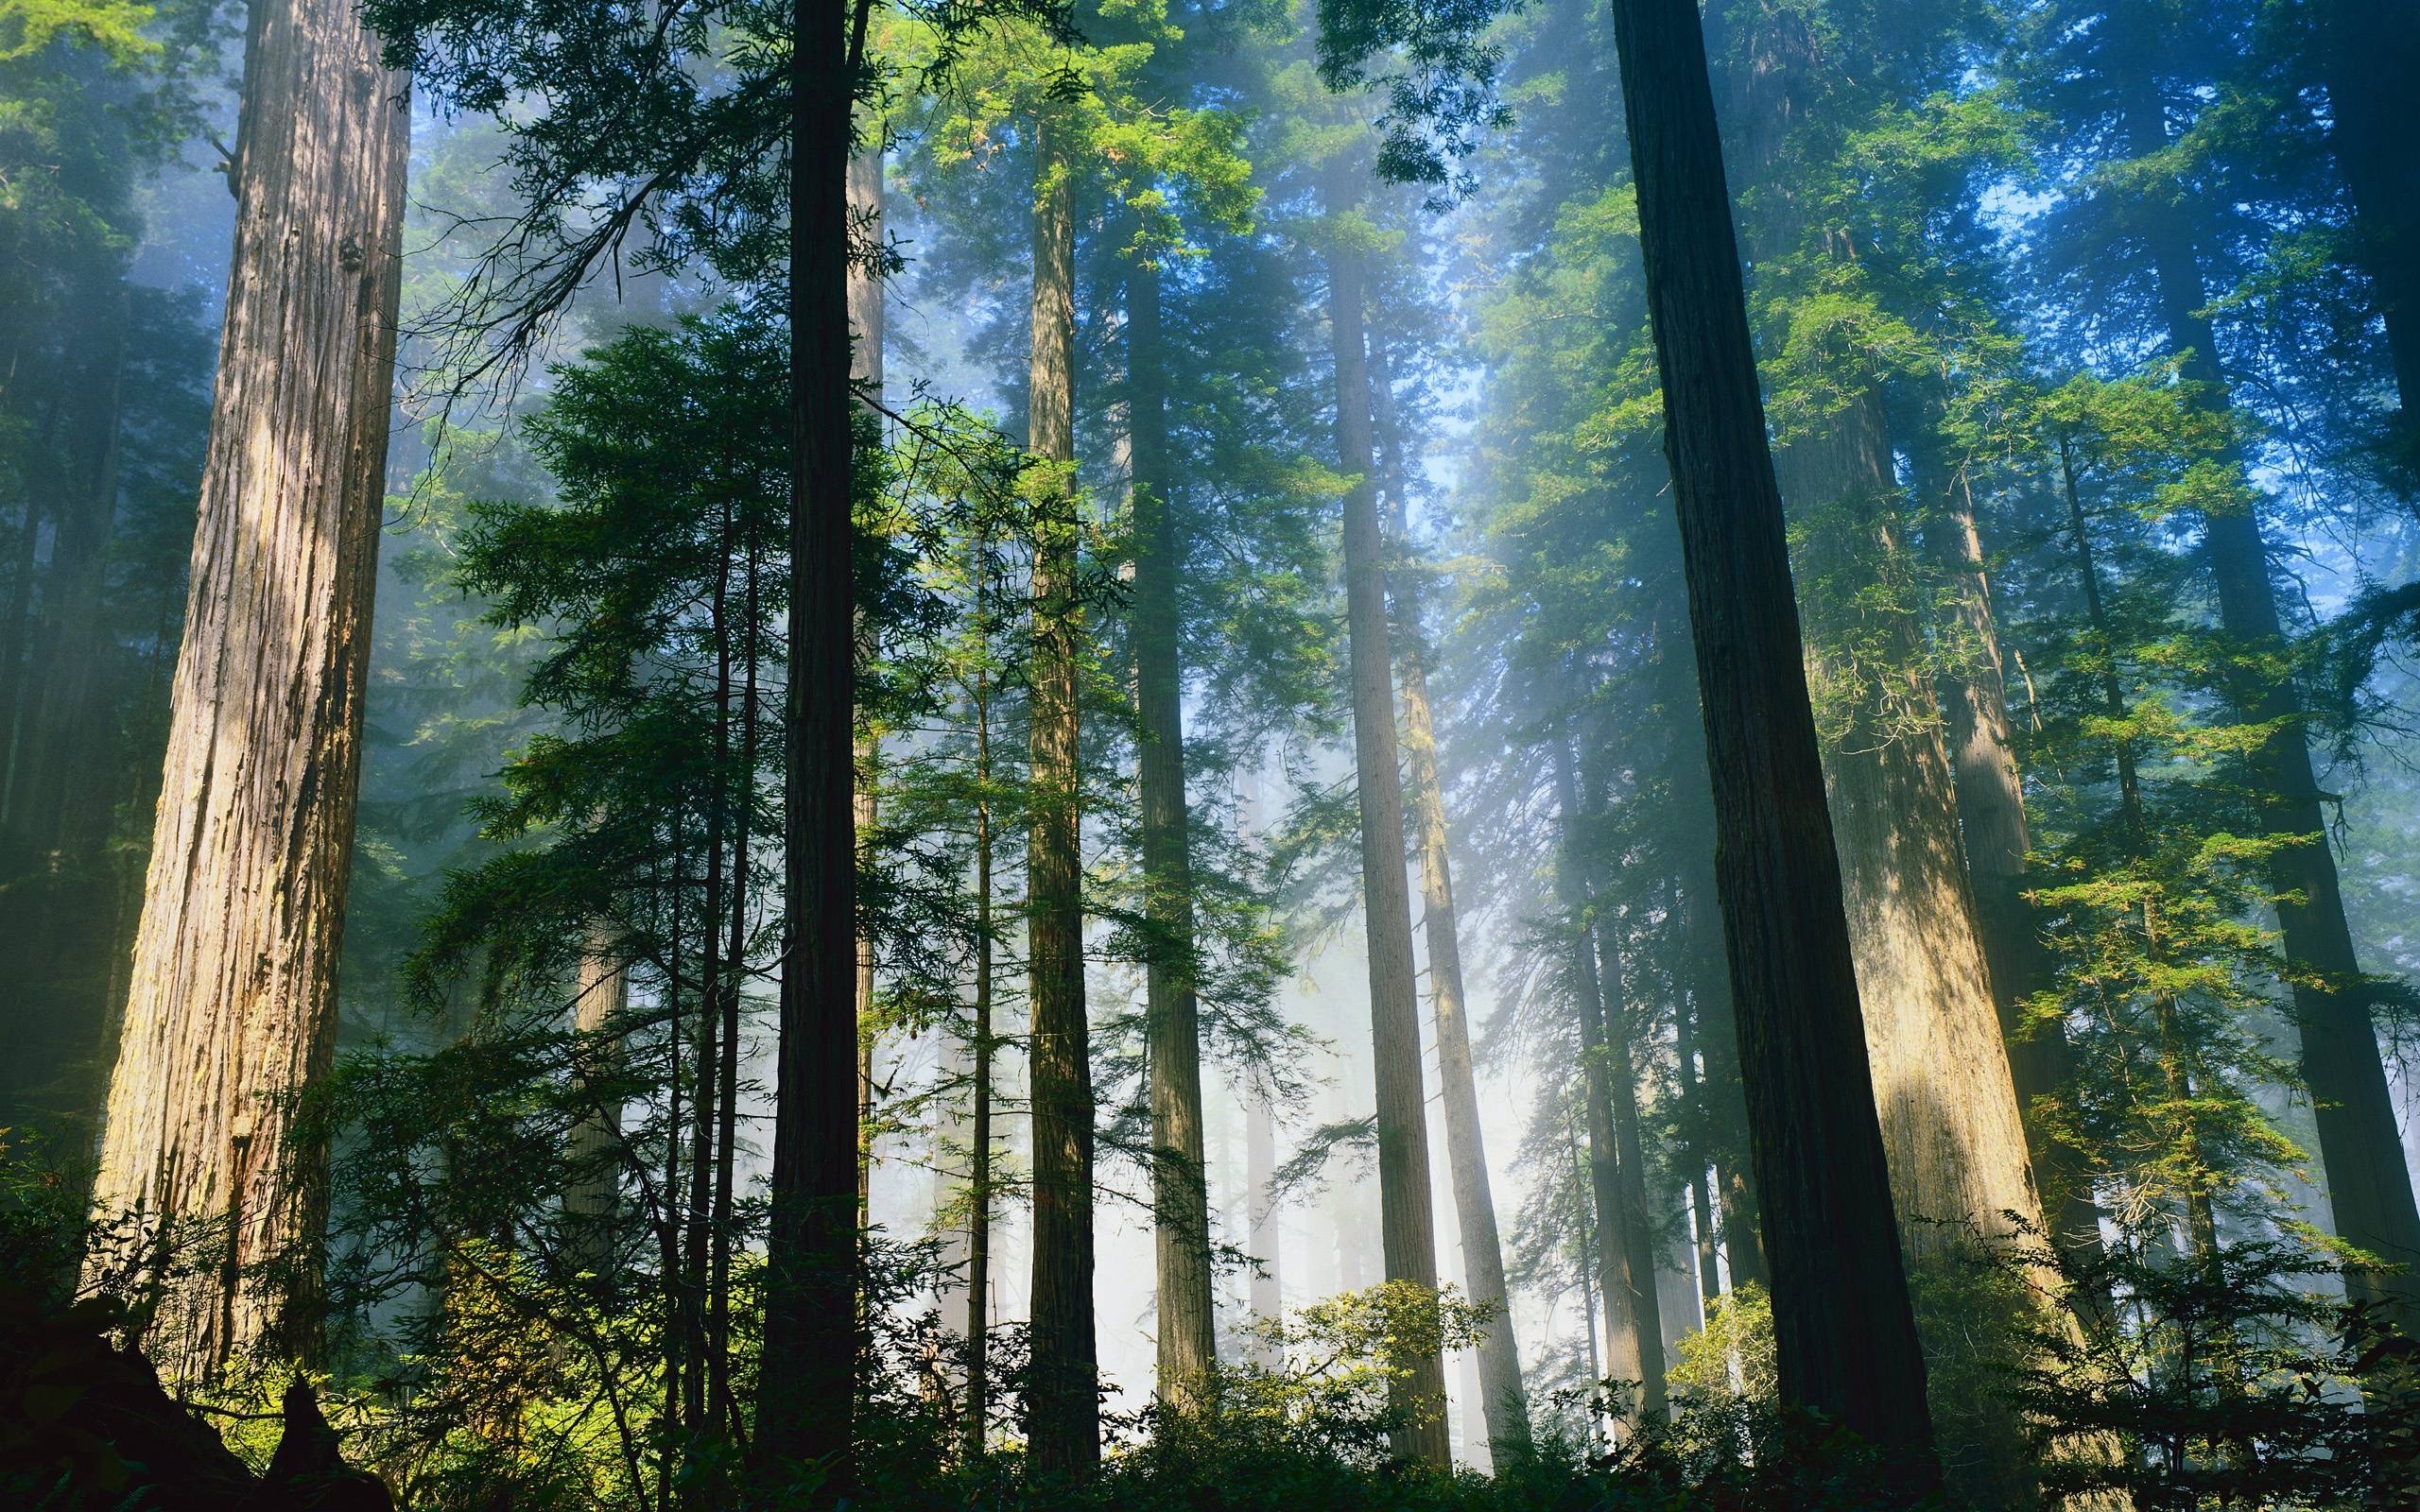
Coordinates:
x,y
1063,1401
1504,1403
1844,1336
808,1389
592,1153
65,805
230,1012
1188,1336
1625,1249
866,372
979,1222
2369,1186
1722,1101
2370,53
1941,1076
1406,1224
1995,837
1268,1288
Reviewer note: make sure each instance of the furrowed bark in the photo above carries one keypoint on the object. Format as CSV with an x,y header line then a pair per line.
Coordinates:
x,y
1064,1402
1187,1338
1995,837
1844,1336
230,1012
807,1388
1950,1121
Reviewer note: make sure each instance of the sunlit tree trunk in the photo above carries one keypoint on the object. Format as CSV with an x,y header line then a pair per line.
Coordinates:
x,y
1187,1338
1062,1407
1406,1224
230,1012
1504,1402
806,1389
601,997
1950,1120
2369,1186
1844,1334
1941,1076
1991,807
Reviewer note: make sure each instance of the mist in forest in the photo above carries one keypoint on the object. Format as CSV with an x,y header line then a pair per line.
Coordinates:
x,y
1212,755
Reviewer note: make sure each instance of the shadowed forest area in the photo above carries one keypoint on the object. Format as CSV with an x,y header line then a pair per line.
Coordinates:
x,y
1429,755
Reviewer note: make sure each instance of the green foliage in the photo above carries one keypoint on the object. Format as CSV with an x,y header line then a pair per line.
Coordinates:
x,y
2234,1379
1732,1355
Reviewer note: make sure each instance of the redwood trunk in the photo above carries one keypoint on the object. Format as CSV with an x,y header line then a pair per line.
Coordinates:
x,y
230,1012
1268,1286
1187,1338
1991,806
1844,1336
1407,1225
808,1389
2369,1186
1504,1403
1933,1027
2370,54
1625,1254
591,1155
865,371
1064,1402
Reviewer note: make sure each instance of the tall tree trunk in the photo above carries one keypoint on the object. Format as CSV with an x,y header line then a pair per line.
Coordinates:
x,y
1637,1226
2370,53
1844,1336
1188,1347
807,1387
591,1155
2369,1186
1504,1404
1625,1249
735,969
1589,1241
64,804
1722,1099
1268,1286
1991,806
1406,1226
866,372
1064,1402
1706,1236
979,1181
1950,1123
698,1240
15,666
1941,1076
232,1010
